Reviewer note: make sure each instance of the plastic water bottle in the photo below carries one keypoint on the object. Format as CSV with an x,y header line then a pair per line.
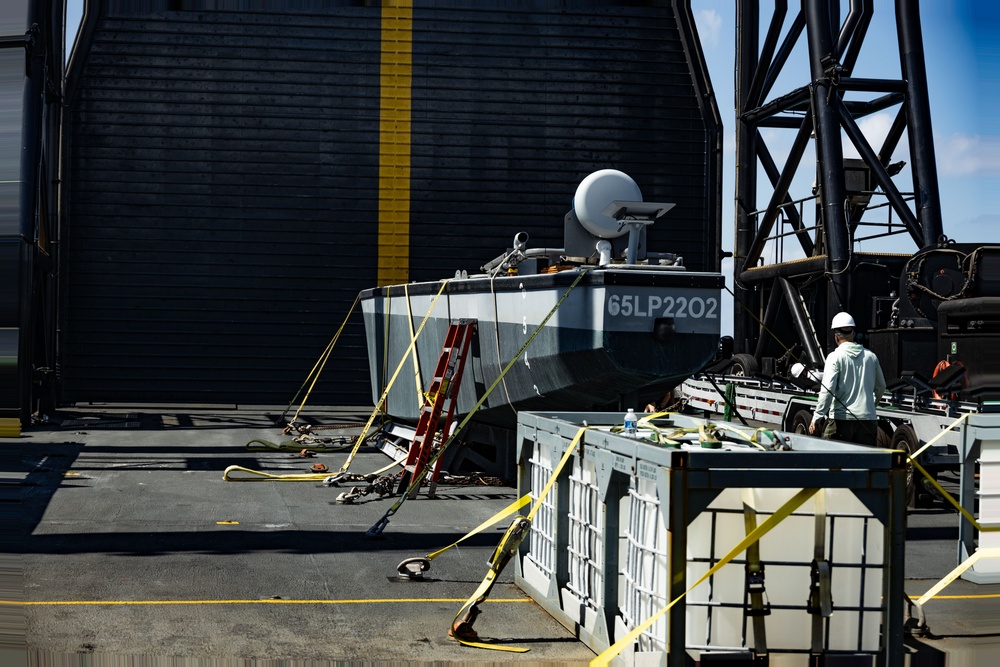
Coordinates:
x,y
631,424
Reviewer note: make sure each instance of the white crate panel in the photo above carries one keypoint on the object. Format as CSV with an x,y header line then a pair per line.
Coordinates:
x,y
645,564
542,541
586,544
843,631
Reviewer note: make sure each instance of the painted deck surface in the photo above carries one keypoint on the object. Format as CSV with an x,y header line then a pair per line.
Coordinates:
x,y
132,545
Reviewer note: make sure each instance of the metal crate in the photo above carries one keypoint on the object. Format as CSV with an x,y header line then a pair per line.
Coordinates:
x,y
631,524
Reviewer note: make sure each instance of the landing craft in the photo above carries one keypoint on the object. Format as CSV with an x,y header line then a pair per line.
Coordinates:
x,y
633,324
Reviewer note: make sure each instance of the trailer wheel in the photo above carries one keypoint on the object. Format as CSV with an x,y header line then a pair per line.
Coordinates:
x,y
744,365
883,438
905,439
801,421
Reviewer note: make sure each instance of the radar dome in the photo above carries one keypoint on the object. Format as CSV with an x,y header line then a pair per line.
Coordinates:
x,y
594,194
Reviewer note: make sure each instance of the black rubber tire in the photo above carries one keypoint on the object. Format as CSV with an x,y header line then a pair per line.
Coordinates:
x,y
743,365
883,439
905,438
801,421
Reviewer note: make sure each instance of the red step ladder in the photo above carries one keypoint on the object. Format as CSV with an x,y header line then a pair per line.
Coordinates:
x,y
440,398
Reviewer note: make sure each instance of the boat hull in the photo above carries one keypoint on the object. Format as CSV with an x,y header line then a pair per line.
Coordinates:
x,y
624,332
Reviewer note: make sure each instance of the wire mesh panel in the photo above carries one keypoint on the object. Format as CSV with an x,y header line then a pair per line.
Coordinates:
x,y
542,552
645,568
586,538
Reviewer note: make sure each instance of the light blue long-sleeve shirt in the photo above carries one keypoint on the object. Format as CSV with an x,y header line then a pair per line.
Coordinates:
x,y
852,385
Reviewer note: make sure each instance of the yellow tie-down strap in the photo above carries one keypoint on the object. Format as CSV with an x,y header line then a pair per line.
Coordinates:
x,y
993,552
783,512
499,516
944,494
510,542
241,474
260,476
981,553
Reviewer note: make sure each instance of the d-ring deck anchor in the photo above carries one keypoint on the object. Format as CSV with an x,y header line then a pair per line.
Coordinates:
x,y
413,568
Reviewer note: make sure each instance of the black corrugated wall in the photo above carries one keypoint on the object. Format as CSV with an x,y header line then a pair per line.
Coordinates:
x,y
222,177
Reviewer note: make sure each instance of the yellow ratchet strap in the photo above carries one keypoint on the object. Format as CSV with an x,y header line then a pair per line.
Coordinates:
x,y
755,578
502,514
388,386
380,525
415,567
413,348
461,628
944,494
820,603
259,476
992,552
753,438
317,369
941,434
954,503
783,512
706,438
249,475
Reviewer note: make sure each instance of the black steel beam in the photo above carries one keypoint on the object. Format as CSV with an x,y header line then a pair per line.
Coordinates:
x,y
799,267
829,150
801,322
892,137
756,248
862,109
771,169
923,161
747,33
794,31
850,43
767,324
879,172
797,100
871,85
754,96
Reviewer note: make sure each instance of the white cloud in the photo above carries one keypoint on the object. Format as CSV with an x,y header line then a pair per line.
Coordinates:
x,y
709,24
875,128
964,154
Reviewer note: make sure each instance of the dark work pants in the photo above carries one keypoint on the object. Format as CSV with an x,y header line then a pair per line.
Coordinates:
x,y
859,431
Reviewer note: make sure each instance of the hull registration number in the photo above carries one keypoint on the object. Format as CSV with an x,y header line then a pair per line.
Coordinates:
x,y
634,305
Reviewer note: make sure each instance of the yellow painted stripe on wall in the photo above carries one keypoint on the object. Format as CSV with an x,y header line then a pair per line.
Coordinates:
x,y
396,70
10,428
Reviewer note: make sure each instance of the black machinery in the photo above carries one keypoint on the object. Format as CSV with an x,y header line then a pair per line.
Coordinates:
x,y
931,310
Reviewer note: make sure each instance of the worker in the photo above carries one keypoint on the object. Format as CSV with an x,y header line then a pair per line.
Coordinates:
x,y
852,386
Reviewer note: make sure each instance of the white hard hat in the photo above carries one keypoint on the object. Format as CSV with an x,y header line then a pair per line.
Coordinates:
x,y
842,321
